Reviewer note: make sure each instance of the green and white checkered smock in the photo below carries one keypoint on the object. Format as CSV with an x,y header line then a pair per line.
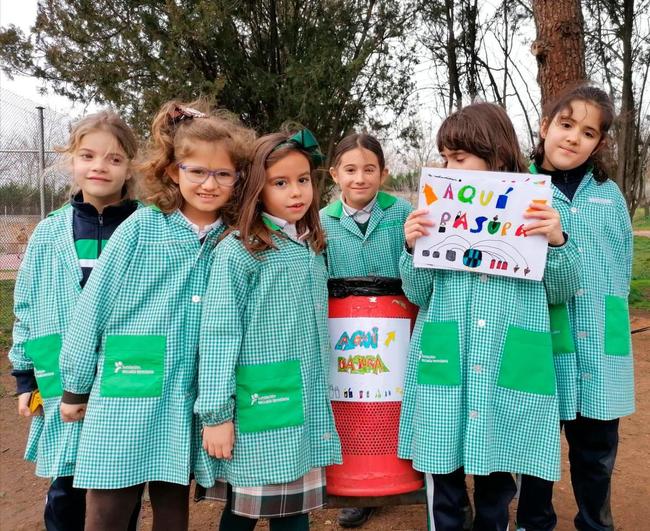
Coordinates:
x,y
594,362
350,253
146,290
46,293
480,388
261,313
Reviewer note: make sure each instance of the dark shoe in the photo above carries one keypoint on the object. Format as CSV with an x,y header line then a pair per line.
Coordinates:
x,y
355,516
468,522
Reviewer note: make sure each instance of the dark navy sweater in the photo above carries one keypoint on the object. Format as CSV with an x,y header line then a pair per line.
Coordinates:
x,y
91,230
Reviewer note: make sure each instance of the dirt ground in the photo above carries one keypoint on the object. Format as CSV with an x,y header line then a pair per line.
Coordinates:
x,y
22,494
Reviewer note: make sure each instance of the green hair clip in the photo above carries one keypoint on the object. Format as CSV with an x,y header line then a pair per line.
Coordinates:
x,y
305,140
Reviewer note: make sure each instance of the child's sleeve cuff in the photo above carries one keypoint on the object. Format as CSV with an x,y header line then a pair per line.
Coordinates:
x,y
74,398
25,381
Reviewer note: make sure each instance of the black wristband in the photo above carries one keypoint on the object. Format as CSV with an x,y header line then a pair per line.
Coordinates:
x,y
74,398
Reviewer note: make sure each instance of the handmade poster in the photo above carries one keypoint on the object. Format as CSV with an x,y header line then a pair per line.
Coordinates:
x,y
479,222
368,358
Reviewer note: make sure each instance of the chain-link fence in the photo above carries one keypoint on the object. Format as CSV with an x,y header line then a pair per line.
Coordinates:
x,y
32,181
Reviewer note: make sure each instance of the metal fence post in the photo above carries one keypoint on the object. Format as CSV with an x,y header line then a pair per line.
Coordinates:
x,y
41,159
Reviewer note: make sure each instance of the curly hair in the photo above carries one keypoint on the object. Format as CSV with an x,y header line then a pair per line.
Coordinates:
x,y
172,141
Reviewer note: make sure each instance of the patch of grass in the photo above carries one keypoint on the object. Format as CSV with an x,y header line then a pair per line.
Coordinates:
x,y
6,312
641,221
640,295
640,286
641,264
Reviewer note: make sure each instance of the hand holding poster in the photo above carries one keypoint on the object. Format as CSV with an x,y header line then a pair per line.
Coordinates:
x,y
478,217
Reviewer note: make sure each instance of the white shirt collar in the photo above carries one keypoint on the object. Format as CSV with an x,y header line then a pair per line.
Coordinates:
x,y
201,232
288,228
360,215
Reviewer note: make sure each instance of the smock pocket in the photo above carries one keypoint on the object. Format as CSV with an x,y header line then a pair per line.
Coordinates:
x,y
44,352
561,335
134,366
439,354
617,326
269,396
527,362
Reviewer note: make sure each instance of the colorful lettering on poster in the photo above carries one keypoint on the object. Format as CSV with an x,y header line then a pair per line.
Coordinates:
x,y
358,339
360,364
478,224
472,195
467,194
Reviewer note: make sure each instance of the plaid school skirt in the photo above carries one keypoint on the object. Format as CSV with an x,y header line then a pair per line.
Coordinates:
x,y
272,501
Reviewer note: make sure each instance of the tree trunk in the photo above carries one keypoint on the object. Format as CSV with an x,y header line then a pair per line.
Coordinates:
x,y
559,47
455,94
627,139
469,15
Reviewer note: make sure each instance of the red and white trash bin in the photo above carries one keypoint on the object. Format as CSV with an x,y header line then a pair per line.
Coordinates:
x,y
370,324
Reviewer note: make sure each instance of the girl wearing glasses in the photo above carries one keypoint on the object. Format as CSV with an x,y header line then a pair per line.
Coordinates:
x,y
129,360
264,349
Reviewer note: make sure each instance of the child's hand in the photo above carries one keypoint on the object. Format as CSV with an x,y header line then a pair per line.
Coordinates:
x,y
416,226
549,225
72,412
218,440
23,406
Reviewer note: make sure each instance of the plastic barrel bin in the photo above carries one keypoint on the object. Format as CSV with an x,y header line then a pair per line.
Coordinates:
x,y
370,324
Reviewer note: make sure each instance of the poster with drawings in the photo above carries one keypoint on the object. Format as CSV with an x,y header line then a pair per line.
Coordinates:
x,y
368,358
479,222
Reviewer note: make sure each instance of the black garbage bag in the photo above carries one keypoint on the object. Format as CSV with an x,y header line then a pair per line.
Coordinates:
x,y
364,286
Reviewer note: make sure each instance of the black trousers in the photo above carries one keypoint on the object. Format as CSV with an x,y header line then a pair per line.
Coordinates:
x,y
446,499
592,453
65,507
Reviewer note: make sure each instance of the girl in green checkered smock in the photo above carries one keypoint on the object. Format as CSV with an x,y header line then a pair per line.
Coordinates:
x,y
488,404
129,360
59,259
364,228
592,345
264,348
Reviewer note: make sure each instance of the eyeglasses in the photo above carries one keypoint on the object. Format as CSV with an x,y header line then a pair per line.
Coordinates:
x,y
198,175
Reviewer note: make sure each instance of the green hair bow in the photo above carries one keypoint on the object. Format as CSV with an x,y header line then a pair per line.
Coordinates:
x,y
305,140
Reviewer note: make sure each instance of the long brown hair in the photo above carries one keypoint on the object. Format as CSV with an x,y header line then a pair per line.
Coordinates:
x,y
484,130
109,122
171,140
562,104
254,234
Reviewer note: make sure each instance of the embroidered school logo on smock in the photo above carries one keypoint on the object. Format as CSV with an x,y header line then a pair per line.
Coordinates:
x,y
130,369
600,200
267,399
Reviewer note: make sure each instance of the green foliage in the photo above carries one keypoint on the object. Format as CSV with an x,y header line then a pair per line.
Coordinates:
x,y
403,181
18,198
321,64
